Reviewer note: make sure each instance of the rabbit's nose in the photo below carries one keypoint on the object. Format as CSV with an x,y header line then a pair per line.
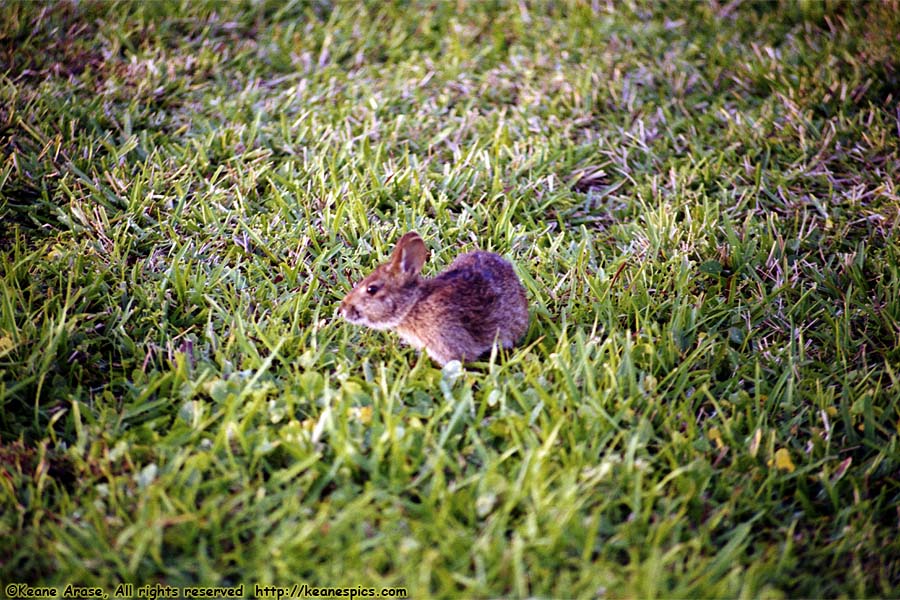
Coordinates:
x,y
349,312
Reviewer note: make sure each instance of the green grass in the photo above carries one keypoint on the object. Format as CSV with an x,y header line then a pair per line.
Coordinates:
x,y
702,202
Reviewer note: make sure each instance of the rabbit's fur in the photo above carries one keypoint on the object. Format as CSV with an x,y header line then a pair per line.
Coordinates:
x,y
456,315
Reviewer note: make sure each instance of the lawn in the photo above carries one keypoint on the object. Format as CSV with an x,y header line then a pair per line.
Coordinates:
x,y
702,201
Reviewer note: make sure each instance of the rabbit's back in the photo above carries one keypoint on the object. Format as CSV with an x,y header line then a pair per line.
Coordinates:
x,y
461,311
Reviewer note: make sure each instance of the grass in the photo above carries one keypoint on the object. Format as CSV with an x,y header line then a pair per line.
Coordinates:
x,y
702,202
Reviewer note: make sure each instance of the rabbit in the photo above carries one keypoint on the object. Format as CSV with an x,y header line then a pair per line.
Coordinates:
x,y
457,315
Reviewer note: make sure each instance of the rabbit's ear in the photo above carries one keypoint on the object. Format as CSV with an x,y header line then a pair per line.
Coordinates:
x,y
409,256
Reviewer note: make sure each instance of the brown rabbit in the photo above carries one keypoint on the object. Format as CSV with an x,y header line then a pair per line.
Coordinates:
x,y
456,315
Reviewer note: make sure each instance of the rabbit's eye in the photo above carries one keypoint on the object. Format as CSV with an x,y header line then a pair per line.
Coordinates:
x,y
372,290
